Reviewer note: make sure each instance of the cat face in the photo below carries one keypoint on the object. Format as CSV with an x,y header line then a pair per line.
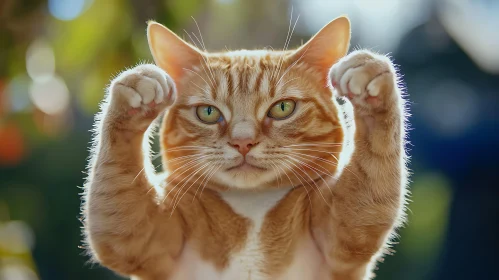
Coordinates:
x,y
251,119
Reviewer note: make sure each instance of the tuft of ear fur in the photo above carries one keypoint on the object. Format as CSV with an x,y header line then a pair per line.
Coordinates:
x,y
327,46
170,52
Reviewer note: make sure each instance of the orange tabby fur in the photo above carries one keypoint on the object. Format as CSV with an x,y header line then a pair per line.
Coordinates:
x,y
140,224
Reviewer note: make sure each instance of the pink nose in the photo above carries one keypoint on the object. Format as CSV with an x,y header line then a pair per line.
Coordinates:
x,y
243,145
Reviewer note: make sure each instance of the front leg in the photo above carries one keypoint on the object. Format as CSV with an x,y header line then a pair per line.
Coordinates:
x,y
368,198
124,227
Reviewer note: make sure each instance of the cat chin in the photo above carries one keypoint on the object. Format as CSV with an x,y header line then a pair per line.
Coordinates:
x,y
246,179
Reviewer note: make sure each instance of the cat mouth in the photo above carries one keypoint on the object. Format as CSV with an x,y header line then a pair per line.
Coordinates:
x,y
245,166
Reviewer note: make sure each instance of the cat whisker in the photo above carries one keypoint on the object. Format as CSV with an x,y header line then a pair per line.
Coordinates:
x,y
291,66
302,157
300,169
277,165
346,168
204,46
209,178
178,196
278,175
317,188
286,44
185,157
202,89
191,166
298,178
203,58
316,171
315,157
183,148
290,80
194,72
312,150
204,179
323,159
274,72
314,144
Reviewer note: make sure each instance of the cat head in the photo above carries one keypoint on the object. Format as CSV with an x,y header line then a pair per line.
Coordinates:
x,y
251,118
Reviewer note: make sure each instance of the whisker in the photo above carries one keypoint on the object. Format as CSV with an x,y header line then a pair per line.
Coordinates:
x,y
209,178
202,89
189,165
347,169
192,71
314,144
178,149
325,160
179,197
317,189
300,169
286,44
290,80
204,46
278,175
317,158
285,41
202,181
194,165
315,171
205,60
296,176
301,156
291,66
277,165
313,150
184,157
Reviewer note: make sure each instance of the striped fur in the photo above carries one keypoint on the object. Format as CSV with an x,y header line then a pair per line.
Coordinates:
x,y
312,199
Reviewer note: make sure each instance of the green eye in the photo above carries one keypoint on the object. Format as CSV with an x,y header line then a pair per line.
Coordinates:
x,y
282,109
208,114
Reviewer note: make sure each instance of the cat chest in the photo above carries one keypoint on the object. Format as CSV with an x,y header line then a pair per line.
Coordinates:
x,y
250,261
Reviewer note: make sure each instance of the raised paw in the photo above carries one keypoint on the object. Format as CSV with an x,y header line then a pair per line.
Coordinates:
x,y
368,80
138,95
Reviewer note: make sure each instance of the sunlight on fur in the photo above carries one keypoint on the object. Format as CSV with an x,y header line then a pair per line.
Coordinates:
x,y
285,164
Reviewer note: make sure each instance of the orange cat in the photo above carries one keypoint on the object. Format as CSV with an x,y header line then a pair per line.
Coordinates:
x,y
261,181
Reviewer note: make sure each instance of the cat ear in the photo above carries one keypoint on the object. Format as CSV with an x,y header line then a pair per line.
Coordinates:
x,y
327,46
170,52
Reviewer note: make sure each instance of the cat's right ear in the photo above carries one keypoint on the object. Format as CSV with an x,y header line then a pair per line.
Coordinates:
x,y
170,52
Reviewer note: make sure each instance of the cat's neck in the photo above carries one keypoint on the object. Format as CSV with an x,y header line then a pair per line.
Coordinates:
x,y
254,204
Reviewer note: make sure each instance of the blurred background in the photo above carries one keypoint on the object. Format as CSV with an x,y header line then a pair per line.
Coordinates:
x,y
57,56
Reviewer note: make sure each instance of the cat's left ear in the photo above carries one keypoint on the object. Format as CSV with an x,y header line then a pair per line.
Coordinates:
x,y
170,52
327,46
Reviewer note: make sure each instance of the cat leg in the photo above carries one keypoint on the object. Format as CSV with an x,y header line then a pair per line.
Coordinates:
x,y
124,227
368,198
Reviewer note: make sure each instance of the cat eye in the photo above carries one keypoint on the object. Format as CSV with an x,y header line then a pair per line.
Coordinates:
x,y
208,114
282,109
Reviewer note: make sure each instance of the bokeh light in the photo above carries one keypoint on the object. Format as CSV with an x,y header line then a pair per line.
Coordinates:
x,y
40,61
12,147
50,96
17,93
58,56
66,9
17,272
16,237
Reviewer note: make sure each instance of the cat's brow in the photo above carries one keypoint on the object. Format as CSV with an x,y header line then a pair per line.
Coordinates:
x,y
197,100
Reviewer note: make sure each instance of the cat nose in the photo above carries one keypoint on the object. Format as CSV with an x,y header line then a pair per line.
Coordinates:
x,y
243,145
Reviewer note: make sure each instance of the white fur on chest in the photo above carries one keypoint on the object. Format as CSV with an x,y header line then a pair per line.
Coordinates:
x,y
247,263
